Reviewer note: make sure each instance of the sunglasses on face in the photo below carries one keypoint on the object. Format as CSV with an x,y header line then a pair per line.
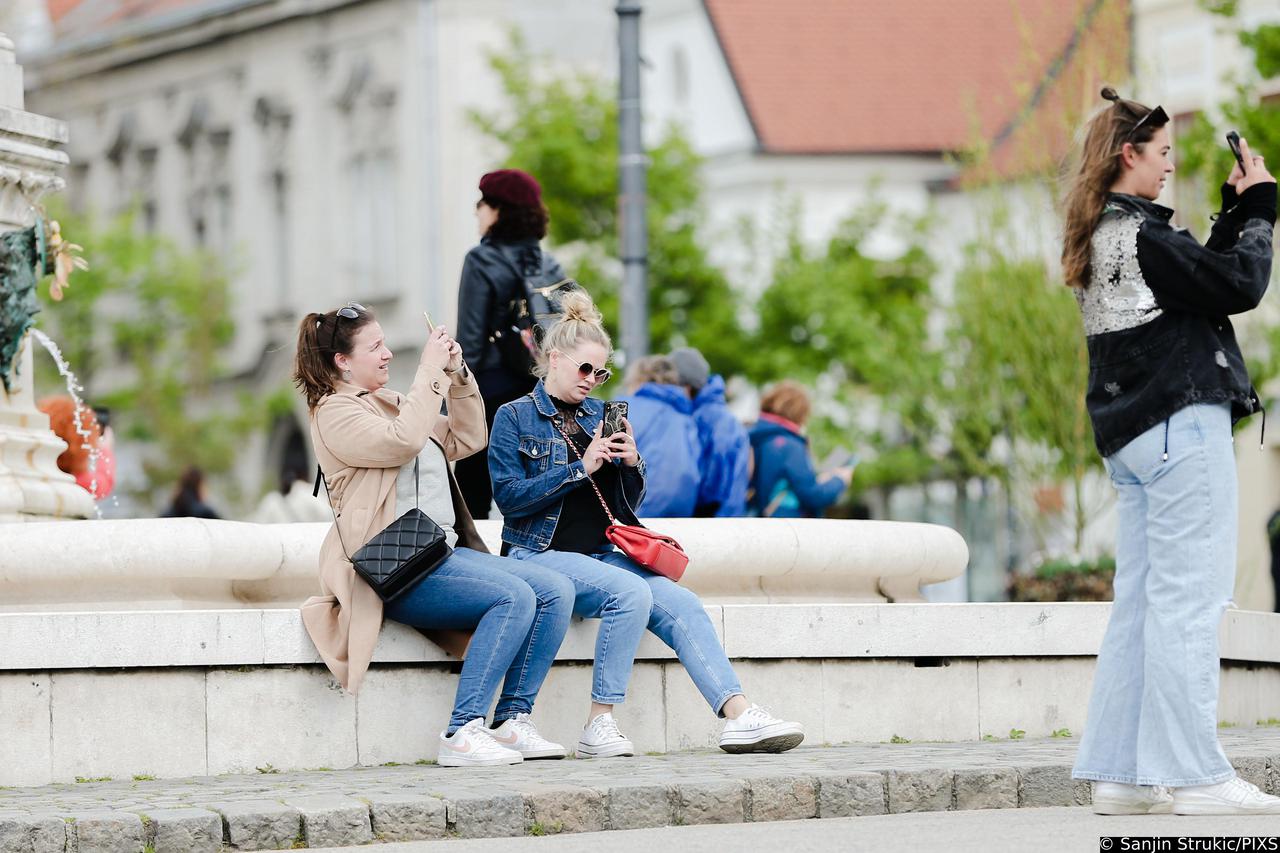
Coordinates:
x,y
601,374
350,311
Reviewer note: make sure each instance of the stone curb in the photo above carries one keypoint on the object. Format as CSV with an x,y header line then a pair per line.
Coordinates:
x,y
544,808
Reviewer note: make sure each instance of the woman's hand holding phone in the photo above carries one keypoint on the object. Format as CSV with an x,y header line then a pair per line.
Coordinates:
x,y
1254,170
437,351
597,452
622,445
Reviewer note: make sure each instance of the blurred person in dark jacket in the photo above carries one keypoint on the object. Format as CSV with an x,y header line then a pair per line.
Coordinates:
x,y
784,483
189,497
496,274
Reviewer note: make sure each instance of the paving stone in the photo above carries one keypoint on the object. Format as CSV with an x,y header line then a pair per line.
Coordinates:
x,y
259,824
1044,786
711,802
567,809
783,798
107,832
28,833
850,794
499,816
406,816
333,820
1252,769
1273,775
640,807
986,788
183,830
919,791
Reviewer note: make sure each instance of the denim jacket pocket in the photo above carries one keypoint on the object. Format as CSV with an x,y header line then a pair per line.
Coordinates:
x,y
536,453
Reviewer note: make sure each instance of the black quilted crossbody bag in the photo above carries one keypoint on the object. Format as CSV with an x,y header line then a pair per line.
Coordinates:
x,y
406,551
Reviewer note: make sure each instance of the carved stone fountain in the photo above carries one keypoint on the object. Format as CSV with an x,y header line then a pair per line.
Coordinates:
x,y
31,156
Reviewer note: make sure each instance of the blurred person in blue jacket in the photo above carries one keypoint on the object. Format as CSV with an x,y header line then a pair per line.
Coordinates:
x,y
724,460
784,483
661,415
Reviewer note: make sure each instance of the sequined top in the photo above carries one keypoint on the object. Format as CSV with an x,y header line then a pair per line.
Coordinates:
x,y
1117,297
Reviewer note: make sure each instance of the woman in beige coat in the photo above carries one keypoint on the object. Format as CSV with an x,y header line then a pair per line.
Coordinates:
x,y
367,439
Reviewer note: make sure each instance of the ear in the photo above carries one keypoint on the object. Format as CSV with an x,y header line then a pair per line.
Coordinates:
x,y
341,361
1129,155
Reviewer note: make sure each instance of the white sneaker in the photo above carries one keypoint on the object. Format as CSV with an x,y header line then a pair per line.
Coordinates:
x,y
759,731
601,739
473,746
1234,796
1117,798
519,733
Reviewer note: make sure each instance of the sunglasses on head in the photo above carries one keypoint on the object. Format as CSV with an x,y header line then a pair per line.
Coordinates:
x,y
1156,118
586,369
350,311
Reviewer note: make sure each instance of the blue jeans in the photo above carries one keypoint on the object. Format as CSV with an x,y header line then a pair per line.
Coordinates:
x,y
519,612
1153,714
627,598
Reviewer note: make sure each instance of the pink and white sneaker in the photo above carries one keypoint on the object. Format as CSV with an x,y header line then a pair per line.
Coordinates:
x,y
520,734
473,746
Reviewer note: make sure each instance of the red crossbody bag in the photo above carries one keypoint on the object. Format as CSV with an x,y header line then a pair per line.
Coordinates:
x,y
654,551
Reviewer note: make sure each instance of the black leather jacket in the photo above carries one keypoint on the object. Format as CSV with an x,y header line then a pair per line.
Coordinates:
x,y
491,278
1155,311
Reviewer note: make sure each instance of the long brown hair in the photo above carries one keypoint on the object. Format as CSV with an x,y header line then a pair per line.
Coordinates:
x,y
320,338
1099,169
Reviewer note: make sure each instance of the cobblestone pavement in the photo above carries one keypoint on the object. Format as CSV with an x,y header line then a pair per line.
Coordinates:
x,y
320,808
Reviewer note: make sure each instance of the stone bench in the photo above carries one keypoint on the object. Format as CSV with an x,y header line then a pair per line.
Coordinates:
x,y
177,693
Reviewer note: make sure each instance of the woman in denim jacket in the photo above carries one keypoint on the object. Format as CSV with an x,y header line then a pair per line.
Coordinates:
x,y
1166,383
553,518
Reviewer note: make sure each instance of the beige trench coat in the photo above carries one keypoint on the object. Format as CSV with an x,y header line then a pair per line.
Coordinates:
x,y
361,438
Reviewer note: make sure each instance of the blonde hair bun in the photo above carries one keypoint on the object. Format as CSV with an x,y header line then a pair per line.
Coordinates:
x,y
576,305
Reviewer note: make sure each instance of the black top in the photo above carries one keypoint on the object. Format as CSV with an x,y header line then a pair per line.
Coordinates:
x,y
493,275
582,519
1187,353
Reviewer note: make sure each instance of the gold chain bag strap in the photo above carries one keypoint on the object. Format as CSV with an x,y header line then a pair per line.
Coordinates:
x,y
656,552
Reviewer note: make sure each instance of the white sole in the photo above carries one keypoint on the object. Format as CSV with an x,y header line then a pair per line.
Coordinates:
x,y
776,738
536,754
1111,807
611,750
1221,809
449,758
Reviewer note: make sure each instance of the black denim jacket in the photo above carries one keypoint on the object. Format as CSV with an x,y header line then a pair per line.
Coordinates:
x,y
1155,311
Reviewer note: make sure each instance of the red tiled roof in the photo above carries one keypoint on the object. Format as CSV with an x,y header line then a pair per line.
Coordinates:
x,y
848,76
77,17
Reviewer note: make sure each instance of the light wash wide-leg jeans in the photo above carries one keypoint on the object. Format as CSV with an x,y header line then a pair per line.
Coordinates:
x,y
1153,713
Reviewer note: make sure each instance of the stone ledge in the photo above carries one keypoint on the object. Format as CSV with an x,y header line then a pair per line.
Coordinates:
x,y
327,809
179,638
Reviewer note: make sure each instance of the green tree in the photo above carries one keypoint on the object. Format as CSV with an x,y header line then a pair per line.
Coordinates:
x,y
564,129
862,323
144,328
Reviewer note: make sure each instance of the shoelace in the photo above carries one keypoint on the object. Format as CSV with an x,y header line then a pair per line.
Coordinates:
x,y
484,738
1243,787
1160,792
522,724
606,726
755,712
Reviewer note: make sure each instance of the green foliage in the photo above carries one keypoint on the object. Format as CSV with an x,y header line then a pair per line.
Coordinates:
x,y
158,318
1061,733
1016,734
899,739
564,130
1055,568
861,321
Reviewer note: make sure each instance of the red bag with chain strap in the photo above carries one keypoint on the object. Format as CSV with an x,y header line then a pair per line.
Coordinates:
x,y
656,552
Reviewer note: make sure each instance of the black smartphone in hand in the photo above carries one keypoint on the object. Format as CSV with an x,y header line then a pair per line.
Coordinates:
x,y
614,412
1233,141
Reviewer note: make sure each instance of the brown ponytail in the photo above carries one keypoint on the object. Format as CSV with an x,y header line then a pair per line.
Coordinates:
x,y
320,338
1099,168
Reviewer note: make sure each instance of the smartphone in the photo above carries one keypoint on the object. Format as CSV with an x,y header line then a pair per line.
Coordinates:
x,y
1233,141
614,412
431,327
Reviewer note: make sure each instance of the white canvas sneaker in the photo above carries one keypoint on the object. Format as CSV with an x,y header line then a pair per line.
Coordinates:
x,y
520,734
1117,798
1234,796
473,746
759,731
601,739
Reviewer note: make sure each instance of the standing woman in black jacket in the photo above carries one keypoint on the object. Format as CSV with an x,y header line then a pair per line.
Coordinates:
x,y
1166,383
512,220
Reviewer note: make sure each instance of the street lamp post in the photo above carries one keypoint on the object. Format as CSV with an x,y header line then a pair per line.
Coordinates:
x,y
632,224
